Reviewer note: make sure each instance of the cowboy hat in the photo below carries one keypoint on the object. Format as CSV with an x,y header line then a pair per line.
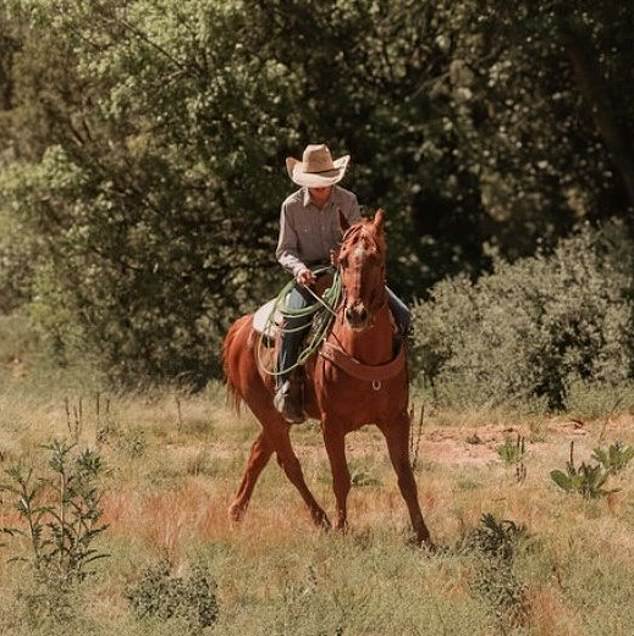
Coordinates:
x,y
317,169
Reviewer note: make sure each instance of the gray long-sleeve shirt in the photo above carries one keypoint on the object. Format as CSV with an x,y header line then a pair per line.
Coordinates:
x,y
307,233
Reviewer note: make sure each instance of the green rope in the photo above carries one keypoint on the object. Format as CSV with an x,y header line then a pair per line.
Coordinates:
x,y
322,310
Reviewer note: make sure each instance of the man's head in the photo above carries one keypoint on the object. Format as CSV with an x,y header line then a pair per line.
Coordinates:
x,y
317,169
320,195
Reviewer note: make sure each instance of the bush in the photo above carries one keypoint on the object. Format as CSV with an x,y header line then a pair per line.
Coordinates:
x,y
161,595
531,329
495,545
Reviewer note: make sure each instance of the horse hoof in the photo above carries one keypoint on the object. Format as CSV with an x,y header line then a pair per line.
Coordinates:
x,y
322,522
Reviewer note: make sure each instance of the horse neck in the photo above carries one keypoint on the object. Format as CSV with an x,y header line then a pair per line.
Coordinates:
x,y
371,346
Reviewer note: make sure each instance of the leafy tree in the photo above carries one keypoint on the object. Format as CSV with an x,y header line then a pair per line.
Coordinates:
x,y
143,143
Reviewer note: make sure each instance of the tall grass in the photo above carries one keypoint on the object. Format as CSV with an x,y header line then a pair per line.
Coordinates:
x,y
275,573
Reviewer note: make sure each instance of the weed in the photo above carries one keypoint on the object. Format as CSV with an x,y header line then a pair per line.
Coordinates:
x,y
587,480
360,479
512,453
615,458
61,512
495,544
60,521
161,595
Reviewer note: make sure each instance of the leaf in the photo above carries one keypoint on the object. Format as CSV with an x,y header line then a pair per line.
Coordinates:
x,y
562,480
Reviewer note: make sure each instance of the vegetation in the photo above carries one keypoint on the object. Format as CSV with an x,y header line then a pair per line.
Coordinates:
x,y
162,596
142,149
530,331
586,480
569,571
615,458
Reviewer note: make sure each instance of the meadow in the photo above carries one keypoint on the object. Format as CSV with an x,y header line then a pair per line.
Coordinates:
x,y
171,462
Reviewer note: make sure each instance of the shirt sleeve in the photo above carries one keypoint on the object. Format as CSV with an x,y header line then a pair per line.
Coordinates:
x,y
286,252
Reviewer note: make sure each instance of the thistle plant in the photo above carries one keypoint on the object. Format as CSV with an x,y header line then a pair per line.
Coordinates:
x,y
60,513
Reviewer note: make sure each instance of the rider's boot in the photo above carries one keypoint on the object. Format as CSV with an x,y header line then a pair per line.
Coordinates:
x,y
289,399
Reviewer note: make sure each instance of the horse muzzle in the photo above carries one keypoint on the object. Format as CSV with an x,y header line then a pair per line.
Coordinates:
x,y
357,316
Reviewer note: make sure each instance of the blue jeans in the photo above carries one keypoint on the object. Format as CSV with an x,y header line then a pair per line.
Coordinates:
x,y
299,298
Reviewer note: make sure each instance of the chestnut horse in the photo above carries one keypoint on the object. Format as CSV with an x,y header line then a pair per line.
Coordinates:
x,y
355,379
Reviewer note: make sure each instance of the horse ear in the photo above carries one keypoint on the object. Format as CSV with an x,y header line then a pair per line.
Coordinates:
x,y
379,218
343,222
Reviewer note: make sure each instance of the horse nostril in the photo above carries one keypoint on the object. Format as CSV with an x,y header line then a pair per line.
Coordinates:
x,y
356,315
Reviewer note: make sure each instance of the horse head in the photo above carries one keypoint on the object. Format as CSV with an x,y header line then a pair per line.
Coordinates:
x,y
361,262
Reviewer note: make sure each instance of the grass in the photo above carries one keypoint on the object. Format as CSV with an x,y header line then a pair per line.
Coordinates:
x,y
275,573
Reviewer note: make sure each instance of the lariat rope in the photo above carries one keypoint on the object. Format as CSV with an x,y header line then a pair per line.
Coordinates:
x,y
323,311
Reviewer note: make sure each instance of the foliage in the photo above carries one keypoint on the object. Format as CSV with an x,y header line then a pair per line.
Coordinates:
x,y
586,480
159,594
511,452
496,544
615,458
61,513
532,328
59,517
142,147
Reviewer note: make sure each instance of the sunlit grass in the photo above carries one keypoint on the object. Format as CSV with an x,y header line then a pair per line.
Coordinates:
x,y
173,462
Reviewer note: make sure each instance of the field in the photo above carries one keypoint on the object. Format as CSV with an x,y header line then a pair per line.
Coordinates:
x,y
172,463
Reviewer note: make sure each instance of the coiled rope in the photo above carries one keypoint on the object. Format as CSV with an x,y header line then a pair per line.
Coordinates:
x,y
323,311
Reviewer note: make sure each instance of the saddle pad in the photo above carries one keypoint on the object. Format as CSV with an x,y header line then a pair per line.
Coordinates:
x,y
262,324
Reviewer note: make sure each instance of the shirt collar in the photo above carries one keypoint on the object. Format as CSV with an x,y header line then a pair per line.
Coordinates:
x,y
306,196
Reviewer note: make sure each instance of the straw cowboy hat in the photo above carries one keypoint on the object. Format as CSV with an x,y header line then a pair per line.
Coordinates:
x,y
317,169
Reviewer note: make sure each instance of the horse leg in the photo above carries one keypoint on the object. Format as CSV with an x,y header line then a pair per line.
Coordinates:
x,y
261,452
276,430
289,463
336,449
397,437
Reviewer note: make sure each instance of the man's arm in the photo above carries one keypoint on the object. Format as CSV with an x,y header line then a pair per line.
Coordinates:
x,y
286,252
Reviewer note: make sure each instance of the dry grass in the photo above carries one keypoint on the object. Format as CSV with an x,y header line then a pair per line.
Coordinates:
x,y
174,461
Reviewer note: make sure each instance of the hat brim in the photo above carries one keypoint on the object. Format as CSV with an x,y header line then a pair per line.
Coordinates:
x,y
294,167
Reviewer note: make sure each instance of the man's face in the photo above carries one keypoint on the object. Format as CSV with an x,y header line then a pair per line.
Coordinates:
x,y
320,195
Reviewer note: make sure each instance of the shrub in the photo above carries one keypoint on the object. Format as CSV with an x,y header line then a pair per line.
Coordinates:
x,y
531,328
495,545
161,595
60,521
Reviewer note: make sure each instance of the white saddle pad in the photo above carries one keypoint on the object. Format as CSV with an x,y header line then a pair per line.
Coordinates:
x,y
264,325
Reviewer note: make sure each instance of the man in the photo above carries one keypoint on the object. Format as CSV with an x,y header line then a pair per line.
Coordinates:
x,y
309,231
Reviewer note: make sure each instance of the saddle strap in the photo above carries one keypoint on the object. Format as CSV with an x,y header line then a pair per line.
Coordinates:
x,y
369,372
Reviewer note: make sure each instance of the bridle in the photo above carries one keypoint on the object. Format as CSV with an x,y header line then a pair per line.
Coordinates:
x,y
378,298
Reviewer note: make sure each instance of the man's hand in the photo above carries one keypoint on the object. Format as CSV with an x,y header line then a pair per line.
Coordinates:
x,y
305,277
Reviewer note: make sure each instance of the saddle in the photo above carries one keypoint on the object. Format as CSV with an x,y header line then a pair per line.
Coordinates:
x,y
267,322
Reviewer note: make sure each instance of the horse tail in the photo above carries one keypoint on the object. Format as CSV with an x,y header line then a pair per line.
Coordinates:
x,y
233,394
